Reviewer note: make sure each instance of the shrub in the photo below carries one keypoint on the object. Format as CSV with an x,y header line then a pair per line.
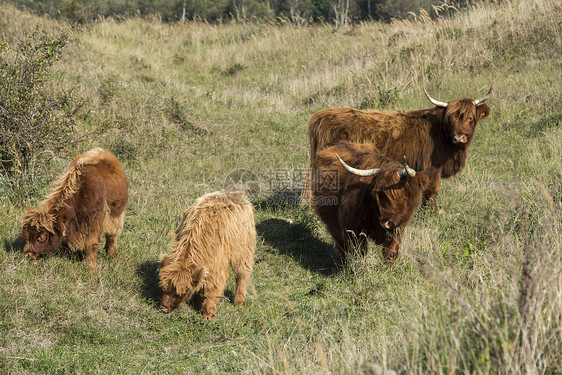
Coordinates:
x,y
36,123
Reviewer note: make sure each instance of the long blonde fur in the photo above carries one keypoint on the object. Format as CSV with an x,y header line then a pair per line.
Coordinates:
x,y
216,232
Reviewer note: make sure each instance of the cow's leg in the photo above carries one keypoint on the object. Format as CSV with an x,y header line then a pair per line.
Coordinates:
x,y
92,243
432,188
240,296
209,306
212,291
112,227
110,244
243,270
91,250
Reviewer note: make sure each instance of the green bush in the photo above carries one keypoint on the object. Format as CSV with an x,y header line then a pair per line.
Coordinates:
x,y
36,123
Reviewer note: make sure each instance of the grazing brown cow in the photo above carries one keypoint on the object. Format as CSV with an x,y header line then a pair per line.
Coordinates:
x,y
434,140
358,192
87,202
217,233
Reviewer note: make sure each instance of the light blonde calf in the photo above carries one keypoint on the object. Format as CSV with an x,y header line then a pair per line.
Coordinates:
x,y
217,233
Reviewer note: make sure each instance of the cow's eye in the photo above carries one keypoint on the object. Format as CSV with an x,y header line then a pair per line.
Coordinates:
x,y
42,237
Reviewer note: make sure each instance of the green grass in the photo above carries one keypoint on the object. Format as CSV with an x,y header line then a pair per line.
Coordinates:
x,y
183,106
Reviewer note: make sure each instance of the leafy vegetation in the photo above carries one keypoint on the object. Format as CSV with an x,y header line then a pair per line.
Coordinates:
x,y
191,107
36,122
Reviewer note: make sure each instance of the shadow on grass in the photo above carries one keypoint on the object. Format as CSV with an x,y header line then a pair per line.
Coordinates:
x,y
148,271
14,245
297,241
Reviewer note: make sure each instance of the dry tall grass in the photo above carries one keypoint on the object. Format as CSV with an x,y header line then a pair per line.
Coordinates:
x,y
502,314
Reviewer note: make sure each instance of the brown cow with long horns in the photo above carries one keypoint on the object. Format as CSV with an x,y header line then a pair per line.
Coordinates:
x,y
359,193
434,140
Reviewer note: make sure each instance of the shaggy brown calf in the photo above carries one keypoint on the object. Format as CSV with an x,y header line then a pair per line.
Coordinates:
x,y
358,193
434,140
87,202
217,233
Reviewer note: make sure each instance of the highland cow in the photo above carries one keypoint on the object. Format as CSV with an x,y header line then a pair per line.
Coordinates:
x,y
359,193
434,141
217,233
87,201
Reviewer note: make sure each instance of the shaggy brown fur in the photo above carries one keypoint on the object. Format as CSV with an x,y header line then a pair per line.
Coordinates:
x,y
217,232
353,207
87,201
434,140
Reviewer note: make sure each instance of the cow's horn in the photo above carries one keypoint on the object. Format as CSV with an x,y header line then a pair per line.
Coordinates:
x,y
407,171
360,172
436,102
484,98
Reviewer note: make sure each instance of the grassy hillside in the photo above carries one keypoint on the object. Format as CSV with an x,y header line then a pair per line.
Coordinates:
x,y
477,286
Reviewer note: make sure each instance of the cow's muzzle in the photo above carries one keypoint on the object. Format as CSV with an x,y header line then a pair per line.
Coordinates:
x,y
460,139
30,254
29,251
387,224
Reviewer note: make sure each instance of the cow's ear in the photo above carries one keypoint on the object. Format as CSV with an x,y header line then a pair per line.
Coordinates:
x,y
61,222
198,278
422,179
482,111
62,219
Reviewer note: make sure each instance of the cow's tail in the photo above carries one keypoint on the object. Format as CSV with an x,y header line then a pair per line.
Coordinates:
x,y
89,157
313,129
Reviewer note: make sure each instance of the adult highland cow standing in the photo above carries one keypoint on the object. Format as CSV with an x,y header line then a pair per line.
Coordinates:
x,y
88,201
217,233
434,140
359,193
